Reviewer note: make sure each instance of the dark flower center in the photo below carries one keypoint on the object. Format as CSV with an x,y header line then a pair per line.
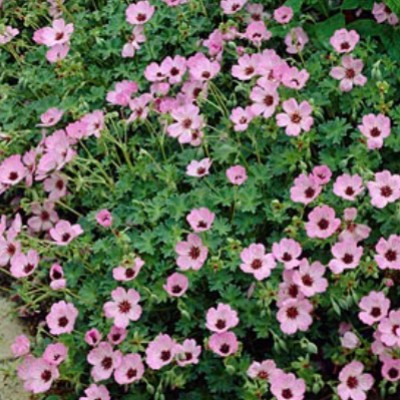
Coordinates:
x,y
174,71
386,191
124,307
349,191
165,355
129,273
28,268
206,74
352,382
309,192
176,289
59,184
65,237
287,257
224,349
249,70
263,375
141,17
376,312
46,375
131,373
345,46
187,123
63,322
375,132
391,255
194,253
293,290
188,356
44,216
307,280
13,176
348,258
107,363
287,394
202,224
59,35
201,171
292,312
221,324
323,224
393,373
268,100
256,264
295,118
350,73
11,249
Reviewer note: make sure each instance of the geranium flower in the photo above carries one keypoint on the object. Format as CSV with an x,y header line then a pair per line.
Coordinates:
x,y
232,6
309,278
104,218
389,329
265,97
63,232
322,222
131,369
306,189
294,315
51,117
296,118
187,353
388,252
348,187
262,370
21,346
354,383
283,15
199,169
374,307
124,308
287,251
347,256
44,216
223,344
222,318
139,13
287,386
129,271
160,352
349,74
191,254
257,262
23,265
61,318
344,41
177,285
385,189
95,392
295,40
200,219
104,360
117,335
55,353
236,175
375,128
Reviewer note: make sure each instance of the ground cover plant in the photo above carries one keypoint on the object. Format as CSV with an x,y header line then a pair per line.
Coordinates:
x,y
200,198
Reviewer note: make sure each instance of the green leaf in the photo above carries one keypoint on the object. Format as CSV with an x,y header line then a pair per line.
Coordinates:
x,y
353,4
324,30
295,4
394,6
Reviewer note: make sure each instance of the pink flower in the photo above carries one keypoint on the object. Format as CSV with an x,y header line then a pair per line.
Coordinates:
x,y
137,37
388,253
139,107
347,256
122,93
8,34
294,78
177,285
9,248
187,353
93,337
256,12
383,13
128,271
295,40
104,360
287,251
21,346
200,219
104,218
241,117
288,290
389,329
257,262
373,307
187,119
59,33
287,386
246,68
63,232
94,123
130,370
385,189
262,370
322,174
139,13
322,222
354,384
160,352
174,3
95,392
375,128
191,254
61,318
222,318
223,344
265,97
309,278
349,74
236,175
57,53
201,68
391,370
23,265
344,41
294,315
256,32
297,117
199,169
349,340
232,6
56,186
174,68
51,117
283,15
38,375
124,308
348,187
55,353
44,216
57,277
117,335
306,189
214,43
12,170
